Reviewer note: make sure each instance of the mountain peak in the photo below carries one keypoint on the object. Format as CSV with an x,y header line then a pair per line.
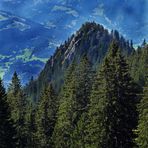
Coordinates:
x,y
91,40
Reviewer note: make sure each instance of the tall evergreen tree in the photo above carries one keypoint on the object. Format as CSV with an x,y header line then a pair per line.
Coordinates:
x,y
64,127
30,125
31,90
17,102
74,100
112,113
142,131
46,117
84,80
138,61
7,130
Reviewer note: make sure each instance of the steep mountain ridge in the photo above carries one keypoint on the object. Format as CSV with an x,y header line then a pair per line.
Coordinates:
x,y
92,40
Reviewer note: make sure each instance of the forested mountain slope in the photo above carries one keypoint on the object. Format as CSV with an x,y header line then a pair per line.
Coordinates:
x,y
88,95
92,40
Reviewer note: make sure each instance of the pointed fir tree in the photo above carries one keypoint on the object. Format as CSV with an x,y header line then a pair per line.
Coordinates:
x,y
84,80
64,125
74,100
46,117
112,114
142,130
94,130
17,102
30,125
138,65
7,130
31,90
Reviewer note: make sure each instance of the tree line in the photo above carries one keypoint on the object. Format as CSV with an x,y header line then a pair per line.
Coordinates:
x,y
94,109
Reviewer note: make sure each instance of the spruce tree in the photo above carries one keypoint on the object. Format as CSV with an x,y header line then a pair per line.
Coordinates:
x,y
64,124
17,102
84,80
112,114
73,104
46,117
7,130
94,130
138,61
142,130
30,125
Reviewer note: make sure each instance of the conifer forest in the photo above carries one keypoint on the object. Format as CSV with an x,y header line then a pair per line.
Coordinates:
x,y
91,92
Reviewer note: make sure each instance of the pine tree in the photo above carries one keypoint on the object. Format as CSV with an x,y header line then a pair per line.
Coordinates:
x,y
30,125
46,117
138,65
94,124
74,100
7,130
31,90
64,126
142,131
84,78
112,113
17,102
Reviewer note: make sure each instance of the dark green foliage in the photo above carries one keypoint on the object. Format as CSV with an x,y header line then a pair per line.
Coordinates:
x,y
31,88
46,117
64,126
7,130
74,99
112,113
30,125
142,130
84,80
17,102
94,126
138,61
90,110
